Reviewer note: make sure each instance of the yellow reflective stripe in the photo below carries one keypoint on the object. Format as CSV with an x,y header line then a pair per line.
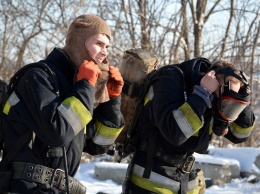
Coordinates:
x,y
195,191
211,126
85,130
196,134
160,184
193,185
12,100
187,120
82,112
146,100
149,96
150,186
77,115
7,108
156,180
210,129
105,135
241,132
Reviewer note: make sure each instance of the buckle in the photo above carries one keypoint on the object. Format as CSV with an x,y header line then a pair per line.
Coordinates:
x,y
56,177
131,89
126,150
59,180
188,164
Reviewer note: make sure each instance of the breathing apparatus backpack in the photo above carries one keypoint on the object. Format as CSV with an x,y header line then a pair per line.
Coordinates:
x,y
138,65
6,90
139,72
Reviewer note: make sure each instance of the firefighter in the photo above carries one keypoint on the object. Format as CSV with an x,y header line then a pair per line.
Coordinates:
x,y
83,116
184,107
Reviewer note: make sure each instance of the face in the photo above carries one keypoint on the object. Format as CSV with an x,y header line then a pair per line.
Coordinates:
x,y
97,46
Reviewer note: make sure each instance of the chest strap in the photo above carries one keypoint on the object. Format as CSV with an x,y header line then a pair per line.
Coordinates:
x,y
45,175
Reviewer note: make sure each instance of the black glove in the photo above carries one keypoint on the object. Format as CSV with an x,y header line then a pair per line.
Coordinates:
x,y
220,126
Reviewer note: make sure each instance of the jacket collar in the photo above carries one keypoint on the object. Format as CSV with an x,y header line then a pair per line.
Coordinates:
x,y
61,60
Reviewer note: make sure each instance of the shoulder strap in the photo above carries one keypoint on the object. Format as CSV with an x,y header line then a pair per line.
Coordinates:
x,y
16,77
27,135
22,140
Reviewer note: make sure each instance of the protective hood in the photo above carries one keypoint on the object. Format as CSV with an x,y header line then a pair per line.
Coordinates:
x,y
79,31
193,71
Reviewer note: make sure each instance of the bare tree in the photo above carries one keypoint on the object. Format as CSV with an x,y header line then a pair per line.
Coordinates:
x,y
252,64
227,29
185,31
199,18
31,29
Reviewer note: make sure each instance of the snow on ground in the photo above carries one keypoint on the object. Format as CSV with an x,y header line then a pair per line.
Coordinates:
x,y
94,186
245,155
86,176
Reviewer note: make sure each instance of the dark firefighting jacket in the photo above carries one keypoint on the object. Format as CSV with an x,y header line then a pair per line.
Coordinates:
x,y
67,118
178,128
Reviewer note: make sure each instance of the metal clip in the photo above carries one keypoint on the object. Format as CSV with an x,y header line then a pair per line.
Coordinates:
x,y
188,164
56,177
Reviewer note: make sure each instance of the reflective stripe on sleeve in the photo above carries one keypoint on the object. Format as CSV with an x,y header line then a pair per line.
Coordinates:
x,y
105,135
158,183
75,113
12,100
210,129
187,120
241,132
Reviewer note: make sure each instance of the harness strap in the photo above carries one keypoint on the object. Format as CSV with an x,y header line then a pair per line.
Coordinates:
x,y
26,137
150,150
131,89
184,179
45,175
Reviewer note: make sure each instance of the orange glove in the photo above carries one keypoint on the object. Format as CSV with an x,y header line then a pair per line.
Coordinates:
x,y
89,71
115,82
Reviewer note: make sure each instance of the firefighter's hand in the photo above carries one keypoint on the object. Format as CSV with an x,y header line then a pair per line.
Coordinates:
x,y
220,126
210,82
115,82
89,71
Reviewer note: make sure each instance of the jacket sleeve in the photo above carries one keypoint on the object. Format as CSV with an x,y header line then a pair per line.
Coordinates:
x,y
108,122
176,118
242,127
55,121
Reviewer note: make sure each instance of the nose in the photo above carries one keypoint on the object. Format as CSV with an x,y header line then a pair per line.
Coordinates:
x,y
104,51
